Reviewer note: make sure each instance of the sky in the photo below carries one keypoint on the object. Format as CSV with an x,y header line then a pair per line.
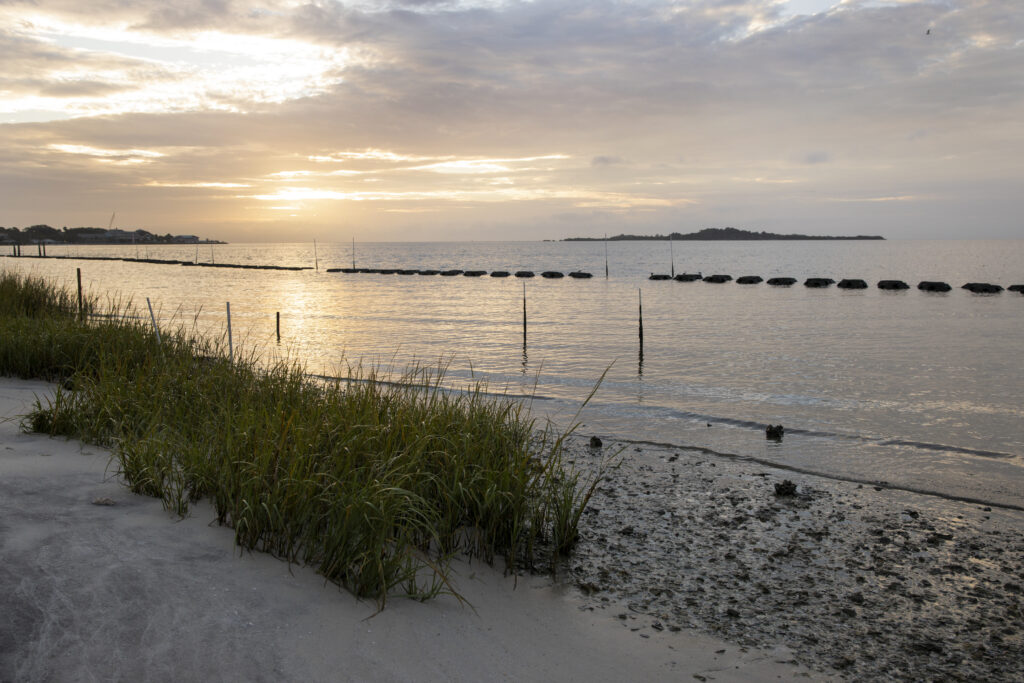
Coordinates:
x,y
408,120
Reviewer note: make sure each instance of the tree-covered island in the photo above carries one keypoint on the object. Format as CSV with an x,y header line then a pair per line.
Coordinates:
x,y
722,234
44,234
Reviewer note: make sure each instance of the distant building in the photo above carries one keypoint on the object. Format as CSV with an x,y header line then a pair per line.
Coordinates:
x,y
186,239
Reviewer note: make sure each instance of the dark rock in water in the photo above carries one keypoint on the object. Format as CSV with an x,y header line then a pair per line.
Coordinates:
x,y
749,280
388,271
552,274
524,273
930,286
689,277
774,432
430,272
406,271
785,489
350,270
818,282
579,274
892,284
718,278
982,288
781,281
852,284
1016,288
334,270
595,442
474,273
500,273
450,273
660,276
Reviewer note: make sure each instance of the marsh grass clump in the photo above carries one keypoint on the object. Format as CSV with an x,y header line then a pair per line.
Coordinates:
x,y
376,482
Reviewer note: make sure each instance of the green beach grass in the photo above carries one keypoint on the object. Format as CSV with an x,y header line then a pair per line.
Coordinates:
x,y
375,482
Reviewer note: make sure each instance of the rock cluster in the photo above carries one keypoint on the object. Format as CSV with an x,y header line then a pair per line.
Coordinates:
x,y
860,582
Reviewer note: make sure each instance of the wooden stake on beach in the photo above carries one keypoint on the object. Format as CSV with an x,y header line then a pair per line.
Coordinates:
x,y
153,318
231,348
78,274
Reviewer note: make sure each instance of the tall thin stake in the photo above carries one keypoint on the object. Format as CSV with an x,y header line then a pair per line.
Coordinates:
x,y
231,348
279,327
81,311
672,256
524,316
316,260
606,256
641,293
353,253
153,319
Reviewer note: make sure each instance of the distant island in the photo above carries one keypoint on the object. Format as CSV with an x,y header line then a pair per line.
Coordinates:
x,y
722,234
44,234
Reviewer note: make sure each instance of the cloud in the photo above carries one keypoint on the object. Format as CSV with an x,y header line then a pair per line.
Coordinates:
x,y
720,106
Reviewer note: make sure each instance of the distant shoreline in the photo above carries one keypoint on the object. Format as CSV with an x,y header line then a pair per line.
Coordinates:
x,y
722,234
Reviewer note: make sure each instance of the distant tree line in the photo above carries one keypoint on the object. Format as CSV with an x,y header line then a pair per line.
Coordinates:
x,y
723,234
44,233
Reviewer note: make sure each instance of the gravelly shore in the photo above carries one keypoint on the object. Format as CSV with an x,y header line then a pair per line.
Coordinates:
x,y
858,582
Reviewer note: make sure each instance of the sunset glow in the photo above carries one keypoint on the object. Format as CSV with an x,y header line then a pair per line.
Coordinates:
x,y
395,120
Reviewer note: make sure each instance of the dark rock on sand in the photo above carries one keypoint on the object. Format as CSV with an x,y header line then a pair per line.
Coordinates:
x,y
595,442
785,489
774,432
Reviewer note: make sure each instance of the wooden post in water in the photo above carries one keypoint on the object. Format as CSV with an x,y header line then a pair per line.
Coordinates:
x,y
641,319
353,253
153,319
524,316
279,327
672,256
78,274
606,256
231,348
316,260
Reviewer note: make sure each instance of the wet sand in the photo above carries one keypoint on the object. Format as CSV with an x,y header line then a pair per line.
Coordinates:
x,y
98,583
860,581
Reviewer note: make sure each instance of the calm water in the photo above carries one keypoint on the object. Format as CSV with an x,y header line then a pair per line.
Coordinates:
x,y
918,389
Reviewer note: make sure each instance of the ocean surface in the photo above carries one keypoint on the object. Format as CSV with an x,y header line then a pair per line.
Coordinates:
x,y
920,390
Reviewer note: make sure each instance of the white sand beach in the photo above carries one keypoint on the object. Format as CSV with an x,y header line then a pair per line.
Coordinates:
x,y
98,583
